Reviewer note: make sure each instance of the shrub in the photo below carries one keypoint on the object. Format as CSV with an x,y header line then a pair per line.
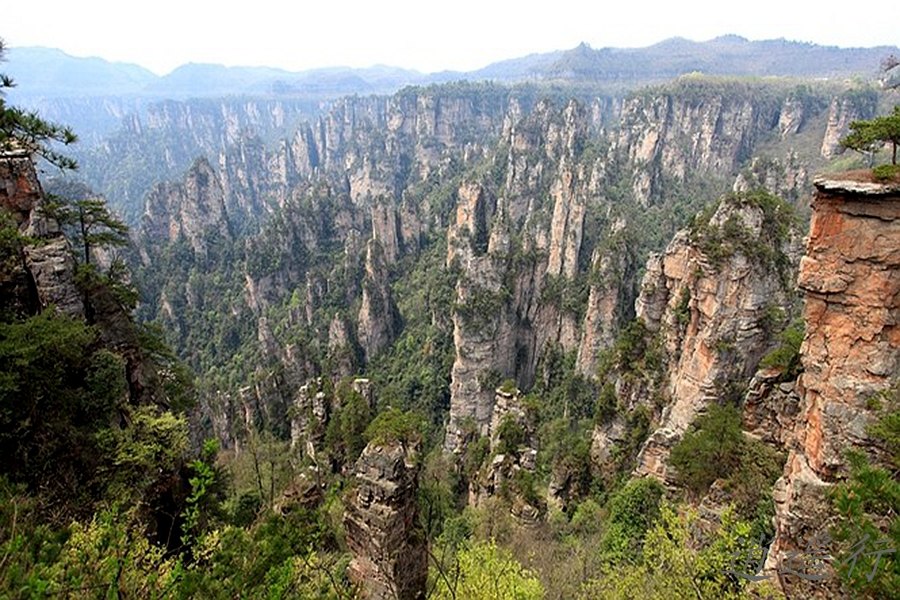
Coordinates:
x,y
673,563
508,386
632,510
715,448
786,357
510,435
394,425
868,503
886,172
607,404
488,572
710,450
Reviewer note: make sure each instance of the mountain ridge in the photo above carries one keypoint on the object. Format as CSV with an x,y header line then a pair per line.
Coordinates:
x,y
60,74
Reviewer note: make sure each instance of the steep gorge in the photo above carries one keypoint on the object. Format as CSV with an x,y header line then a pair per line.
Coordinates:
x,y
547,211
469,312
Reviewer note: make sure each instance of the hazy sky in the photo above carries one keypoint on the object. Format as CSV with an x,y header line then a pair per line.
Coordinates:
x,y
428,36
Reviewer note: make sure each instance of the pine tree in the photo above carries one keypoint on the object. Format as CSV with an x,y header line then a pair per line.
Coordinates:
x,y
25,130
868,136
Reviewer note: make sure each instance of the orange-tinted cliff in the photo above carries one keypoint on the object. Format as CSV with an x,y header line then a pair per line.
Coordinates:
x,y
850,279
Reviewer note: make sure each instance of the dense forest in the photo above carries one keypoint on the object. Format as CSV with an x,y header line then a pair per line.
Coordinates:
x,y
469,340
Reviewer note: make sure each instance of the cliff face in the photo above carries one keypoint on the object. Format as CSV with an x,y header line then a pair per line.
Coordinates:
x,y
714,300
850,280
610,300
547,210
378,318
390,557
673,137
841,112
44,274
162,139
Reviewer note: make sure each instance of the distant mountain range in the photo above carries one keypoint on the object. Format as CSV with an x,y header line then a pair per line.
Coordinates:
x,y
49,72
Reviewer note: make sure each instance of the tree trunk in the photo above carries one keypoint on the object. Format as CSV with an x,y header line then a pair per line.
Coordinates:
x,y
84,236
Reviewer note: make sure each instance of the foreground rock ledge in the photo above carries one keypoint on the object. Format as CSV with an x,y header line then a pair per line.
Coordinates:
x,y
850,280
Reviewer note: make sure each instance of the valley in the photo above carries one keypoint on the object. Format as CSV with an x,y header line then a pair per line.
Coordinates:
x,y
588,335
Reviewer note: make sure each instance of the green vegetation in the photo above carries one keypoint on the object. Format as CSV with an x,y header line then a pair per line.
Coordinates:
x,y
868,504
719,242
485,571
101,494
95,227
715,448
886,172
510,435
108,495
607,404
710,451
786,357
345,435
61,394
23,130
674,563
635,351
395,426
562,390
101,498
867,137
632,510
683,308
481,306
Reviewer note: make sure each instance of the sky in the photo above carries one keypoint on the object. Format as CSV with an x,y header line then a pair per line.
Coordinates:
x,y
454,35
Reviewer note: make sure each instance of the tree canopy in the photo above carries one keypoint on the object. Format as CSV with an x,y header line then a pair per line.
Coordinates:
x,y
26,130
868,136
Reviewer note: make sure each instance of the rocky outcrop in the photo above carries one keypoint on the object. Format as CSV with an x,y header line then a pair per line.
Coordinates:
x,y
193,210
313,407
850,280
305,492
386,230
714,298
843,111
383,532
52,269
513,451
787,178
770,409
21,190
610,300
378,315
342,348
44,273
723,129
482,335
792,117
